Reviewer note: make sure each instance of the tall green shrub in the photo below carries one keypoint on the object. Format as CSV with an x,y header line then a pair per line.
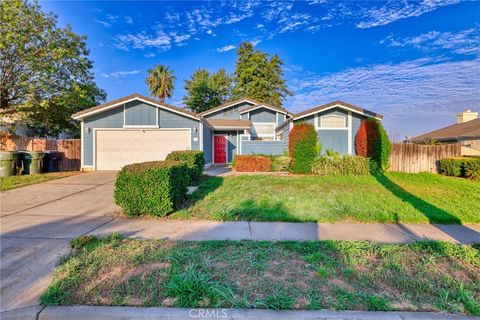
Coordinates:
x,y
382,147
194,159
372,142
303,146
155,188
451,166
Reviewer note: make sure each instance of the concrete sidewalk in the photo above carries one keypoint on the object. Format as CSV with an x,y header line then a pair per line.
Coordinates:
x,y
276,231
134,313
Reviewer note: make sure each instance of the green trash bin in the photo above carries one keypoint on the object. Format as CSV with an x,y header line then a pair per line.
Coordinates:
x,y
8,161
31,162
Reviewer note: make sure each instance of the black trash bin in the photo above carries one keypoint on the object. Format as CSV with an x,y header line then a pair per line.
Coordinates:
x,y
50,161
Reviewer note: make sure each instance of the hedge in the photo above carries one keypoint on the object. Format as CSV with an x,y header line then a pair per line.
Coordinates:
x,y
303,145
372,142
195,161
461,167
344,165
252,163
155,188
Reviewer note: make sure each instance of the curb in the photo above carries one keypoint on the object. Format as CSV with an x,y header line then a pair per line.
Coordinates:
x,y
142,313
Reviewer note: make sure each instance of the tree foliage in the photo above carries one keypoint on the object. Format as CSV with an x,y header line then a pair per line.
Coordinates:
x,y
372,142
42,67
160,81
259,76
302,146
205,90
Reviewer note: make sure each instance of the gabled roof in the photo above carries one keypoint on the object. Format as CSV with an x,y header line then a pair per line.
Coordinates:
x,y
465,130
112,104
265,105
339,104
229,124
229,104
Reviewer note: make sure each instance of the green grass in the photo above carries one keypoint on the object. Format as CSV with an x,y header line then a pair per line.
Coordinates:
x,y
18,181
394,197
422,276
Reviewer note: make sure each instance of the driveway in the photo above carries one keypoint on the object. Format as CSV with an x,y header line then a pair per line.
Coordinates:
x,y
37,223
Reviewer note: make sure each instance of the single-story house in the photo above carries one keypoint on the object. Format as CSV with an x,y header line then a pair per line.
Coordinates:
x,y
137,128
466,132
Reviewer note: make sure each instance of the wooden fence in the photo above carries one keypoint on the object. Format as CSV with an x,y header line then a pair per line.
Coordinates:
x,y
69,149
407,157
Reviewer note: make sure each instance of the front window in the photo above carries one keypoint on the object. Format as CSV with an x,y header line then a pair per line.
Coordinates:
x,y
263,131
333,122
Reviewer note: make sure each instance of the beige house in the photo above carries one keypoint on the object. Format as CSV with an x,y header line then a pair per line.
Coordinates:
x,y
466,131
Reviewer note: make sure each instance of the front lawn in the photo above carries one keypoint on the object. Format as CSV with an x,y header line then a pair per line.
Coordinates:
x,y
422,276
394,197
18,181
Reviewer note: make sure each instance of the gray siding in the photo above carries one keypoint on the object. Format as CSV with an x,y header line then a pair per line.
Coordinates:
x,y
138,113
232,112
207,143
244,116
112,118
263,147
169,119
281,118
285,132
263,115
335,140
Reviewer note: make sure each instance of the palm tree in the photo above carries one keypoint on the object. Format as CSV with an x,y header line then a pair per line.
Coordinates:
x,y
160,81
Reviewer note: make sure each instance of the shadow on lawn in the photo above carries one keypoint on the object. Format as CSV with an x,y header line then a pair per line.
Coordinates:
x,y
208,184
433,213
264,210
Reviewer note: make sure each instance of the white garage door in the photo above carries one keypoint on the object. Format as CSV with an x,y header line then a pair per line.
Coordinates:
x,y
116,148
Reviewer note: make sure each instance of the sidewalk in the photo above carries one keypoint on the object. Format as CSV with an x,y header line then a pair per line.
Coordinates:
x,y
277,231
127,313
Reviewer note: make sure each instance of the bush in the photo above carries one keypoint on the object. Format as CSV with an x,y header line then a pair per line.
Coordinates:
x,y
451,166
471,168
303,146
252,163
195,161
155,188
372,142
280,163
344,165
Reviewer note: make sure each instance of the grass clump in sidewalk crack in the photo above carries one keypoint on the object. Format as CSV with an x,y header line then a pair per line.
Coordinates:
x,y
422,276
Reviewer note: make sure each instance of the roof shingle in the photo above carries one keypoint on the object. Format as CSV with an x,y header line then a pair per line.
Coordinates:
x,y
469,129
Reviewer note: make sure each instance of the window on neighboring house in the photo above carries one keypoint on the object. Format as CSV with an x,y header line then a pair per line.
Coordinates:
x,y
333,122
263,131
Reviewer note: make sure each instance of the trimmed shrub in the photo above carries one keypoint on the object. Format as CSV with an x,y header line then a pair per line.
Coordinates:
x,y
252,163
344,165
155,188
280,163
451,166
372,142
471,168
302,146
194,159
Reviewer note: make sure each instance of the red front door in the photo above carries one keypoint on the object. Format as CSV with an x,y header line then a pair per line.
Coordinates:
x,y
220,149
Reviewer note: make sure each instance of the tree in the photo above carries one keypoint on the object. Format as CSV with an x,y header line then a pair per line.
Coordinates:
x,y
160,81
39,64
302,147
372,142
205,90
258,76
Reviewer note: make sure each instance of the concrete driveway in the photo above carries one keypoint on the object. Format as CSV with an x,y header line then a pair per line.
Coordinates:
x,y
37,223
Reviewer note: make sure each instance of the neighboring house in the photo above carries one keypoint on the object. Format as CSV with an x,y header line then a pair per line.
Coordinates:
x,y
137,129
466,131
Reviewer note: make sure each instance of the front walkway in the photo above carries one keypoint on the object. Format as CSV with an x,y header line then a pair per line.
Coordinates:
x,y
277,231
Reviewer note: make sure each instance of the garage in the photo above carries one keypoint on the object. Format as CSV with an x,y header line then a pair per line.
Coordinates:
x,y
116,148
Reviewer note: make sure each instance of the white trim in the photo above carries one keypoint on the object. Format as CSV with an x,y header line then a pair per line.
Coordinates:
x,y
350,145
131,126
262,106
226,147
124,115
316,121
237,144
229,105
130,100
157,116
82,129
201,136
94,137
240,142
333,116
337,106
268,135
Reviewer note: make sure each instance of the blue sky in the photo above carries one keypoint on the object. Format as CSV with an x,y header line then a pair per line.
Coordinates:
x,y
418,63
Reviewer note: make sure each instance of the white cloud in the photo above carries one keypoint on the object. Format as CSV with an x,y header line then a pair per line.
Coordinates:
x,y
103,23
412,95
226,48
143,40
119,74
149,55
463,42
128,20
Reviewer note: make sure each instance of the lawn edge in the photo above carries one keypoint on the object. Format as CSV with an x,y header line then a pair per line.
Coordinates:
x,y
145,313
